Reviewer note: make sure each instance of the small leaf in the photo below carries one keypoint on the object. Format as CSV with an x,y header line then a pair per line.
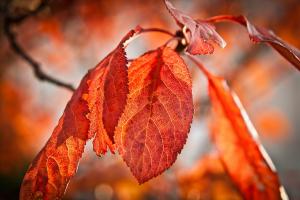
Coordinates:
x,y
108,89
240,150
50,172
156,120
201,34
258,34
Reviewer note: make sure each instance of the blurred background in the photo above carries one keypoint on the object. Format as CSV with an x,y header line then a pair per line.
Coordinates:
x,y
69,37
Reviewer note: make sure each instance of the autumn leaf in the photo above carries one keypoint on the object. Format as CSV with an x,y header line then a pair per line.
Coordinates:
x,y
156,120
107,96
258,34
241,152
237,141
51,170
201,35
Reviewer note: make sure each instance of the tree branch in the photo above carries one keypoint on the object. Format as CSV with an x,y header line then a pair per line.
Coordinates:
x,y
9,21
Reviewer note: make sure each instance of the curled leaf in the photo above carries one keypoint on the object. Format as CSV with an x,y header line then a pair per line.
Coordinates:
x,y
240,150
236,139
258,34
201,35
50,172
156,120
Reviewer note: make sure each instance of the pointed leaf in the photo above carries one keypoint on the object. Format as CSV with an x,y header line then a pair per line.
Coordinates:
x,y
156,120
201,34
50,172
237,142
258,34
107,96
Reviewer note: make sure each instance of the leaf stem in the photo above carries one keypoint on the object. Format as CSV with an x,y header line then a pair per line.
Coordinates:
x,y
146,30
227,18
139,30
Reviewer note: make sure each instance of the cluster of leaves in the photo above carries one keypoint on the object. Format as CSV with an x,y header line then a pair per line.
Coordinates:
x,y
144,112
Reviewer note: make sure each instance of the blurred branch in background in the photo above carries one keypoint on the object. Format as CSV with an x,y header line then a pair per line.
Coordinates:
x,y
9,21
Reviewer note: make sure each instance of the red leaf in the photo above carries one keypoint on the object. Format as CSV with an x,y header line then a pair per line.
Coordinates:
x,y
236,139
107,96
156,120
257,34
51,170
201,34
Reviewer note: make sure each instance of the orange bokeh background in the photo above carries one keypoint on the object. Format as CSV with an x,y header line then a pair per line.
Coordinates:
x,y
69,37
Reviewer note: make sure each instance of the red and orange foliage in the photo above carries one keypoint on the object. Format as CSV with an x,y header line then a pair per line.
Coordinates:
x,y
158,114
200,35
52,169
145,114
237,142
106,96
257,34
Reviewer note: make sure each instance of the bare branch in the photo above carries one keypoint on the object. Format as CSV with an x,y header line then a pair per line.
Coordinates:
x,y
9,21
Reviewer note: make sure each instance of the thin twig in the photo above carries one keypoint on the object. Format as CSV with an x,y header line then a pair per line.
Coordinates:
x,y
9,21
22,17
145,30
